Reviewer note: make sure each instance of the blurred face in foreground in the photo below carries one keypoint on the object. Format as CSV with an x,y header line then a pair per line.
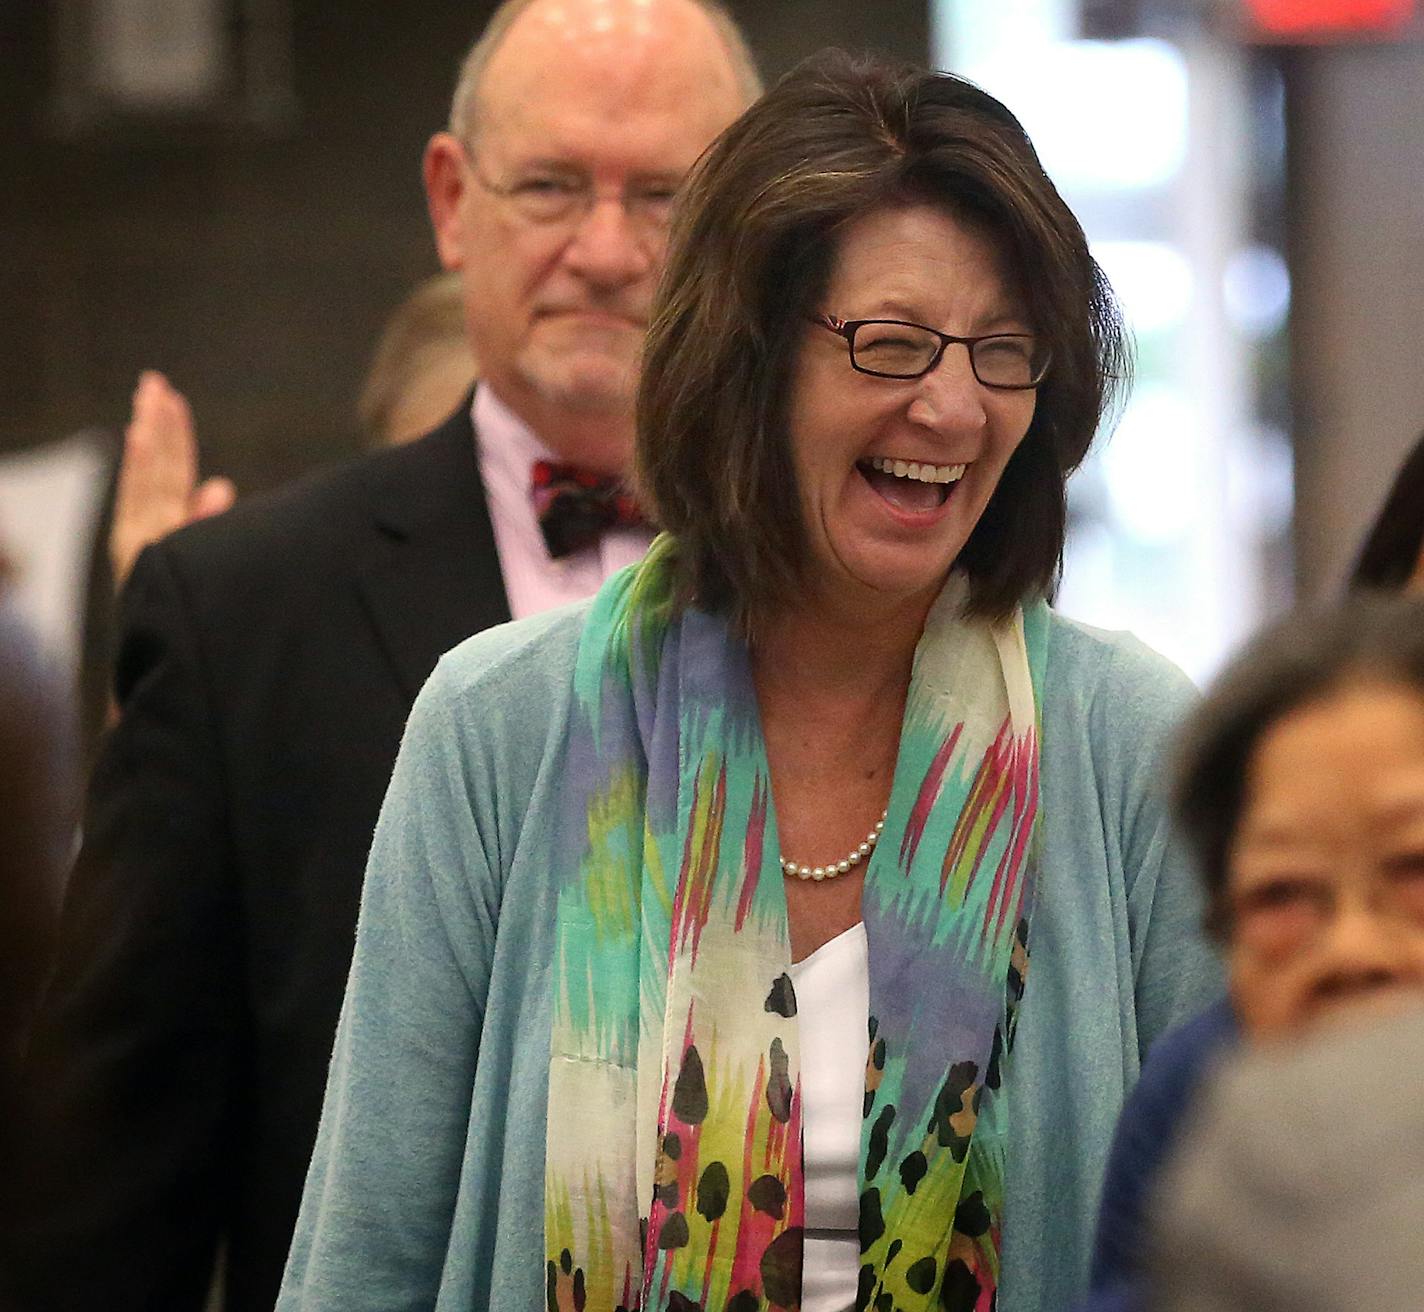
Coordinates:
x,y
1325,885
587,117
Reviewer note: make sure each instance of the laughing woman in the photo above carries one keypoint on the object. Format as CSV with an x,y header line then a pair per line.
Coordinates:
x,y
694,961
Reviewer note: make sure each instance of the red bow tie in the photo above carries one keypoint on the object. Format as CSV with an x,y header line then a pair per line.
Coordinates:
x,y
576,507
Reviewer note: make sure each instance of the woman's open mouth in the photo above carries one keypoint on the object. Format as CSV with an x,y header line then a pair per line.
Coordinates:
x,y
908,485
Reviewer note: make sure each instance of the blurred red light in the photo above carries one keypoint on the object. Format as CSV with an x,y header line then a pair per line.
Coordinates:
x,y
1323,18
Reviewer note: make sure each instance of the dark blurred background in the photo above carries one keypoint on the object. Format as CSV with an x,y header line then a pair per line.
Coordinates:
x,y
254,261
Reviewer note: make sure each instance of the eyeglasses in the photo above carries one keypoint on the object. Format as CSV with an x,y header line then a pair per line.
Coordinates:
x,y
1292,910
892,348
556,198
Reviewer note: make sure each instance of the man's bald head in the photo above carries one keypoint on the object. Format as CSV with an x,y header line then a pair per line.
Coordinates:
x,y
573,129
577,21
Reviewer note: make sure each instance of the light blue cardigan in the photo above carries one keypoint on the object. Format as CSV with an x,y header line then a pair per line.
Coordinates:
x,y
426,1189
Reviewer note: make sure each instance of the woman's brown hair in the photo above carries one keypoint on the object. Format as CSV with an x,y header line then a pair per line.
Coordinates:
x,y
749,255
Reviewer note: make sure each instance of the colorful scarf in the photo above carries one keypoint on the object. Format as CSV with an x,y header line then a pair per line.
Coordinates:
x,y
673,1165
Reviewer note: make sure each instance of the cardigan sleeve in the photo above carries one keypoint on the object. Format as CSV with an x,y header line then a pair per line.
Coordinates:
x,y
1176,971
381,1191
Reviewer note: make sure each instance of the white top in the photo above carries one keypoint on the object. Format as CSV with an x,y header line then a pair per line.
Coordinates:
x,y
533,580
832,989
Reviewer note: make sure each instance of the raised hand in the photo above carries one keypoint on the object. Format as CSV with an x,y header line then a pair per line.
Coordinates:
x,y
158,489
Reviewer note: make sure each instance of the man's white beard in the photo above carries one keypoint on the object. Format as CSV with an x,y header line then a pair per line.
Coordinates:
x,y
582,382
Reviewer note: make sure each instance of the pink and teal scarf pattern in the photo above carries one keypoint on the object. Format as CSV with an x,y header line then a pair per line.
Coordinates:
x,y
673,1174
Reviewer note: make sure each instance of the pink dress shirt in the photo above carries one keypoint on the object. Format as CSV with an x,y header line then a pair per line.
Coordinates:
x,y
533,580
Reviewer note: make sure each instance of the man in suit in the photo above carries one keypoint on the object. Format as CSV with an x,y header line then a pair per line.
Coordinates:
x,y
268,658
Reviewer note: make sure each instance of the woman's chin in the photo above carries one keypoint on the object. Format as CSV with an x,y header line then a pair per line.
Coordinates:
x,y
883,584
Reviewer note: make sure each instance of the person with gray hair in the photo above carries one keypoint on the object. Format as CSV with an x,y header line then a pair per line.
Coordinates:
x,y
421,367
268,659
1301,792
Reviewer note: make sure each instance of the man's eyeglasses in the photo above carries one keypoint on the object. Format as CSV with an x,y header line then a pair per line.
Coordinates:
x,y
553,198
891,348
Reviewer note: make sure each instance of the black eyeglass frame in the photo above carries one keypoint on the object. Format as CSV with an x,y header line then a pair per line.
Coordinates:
x,y
847,329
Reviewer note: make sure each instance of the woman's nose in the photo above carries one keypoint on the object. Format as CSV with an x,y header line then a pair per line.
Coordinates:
x,y
950,397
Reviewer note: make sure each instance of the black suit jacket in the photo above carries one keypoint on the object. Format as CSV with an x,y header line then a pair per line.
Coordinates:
x,y
267,662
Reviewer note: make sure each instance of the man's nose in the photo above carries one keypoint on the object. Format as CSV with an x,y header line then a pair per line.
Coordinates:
x,y
950,398
607,248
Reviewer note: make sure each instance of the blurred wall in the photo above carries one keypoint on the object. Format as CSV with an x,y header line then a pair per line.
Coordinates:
x,y
256,269
1356,218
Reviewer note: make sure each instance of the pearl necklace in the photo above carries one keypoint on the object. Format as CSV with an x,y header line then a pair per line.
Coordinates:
x,y
840,867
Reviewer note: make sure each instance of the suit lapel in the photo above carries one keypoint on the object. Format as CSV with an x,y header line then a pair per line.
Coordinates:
x,y
432,577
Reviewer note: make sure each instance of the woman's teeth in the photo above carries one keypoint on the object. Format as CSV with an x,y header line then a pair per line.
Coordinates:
x,y
922,473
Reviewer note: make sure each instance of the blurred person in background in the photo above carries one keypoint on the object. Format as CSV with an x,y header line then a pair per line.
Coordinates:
x,y
762,848
153,488
38,796
1302,792
1304,1186
422,367
1392,555
268,658
420,371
